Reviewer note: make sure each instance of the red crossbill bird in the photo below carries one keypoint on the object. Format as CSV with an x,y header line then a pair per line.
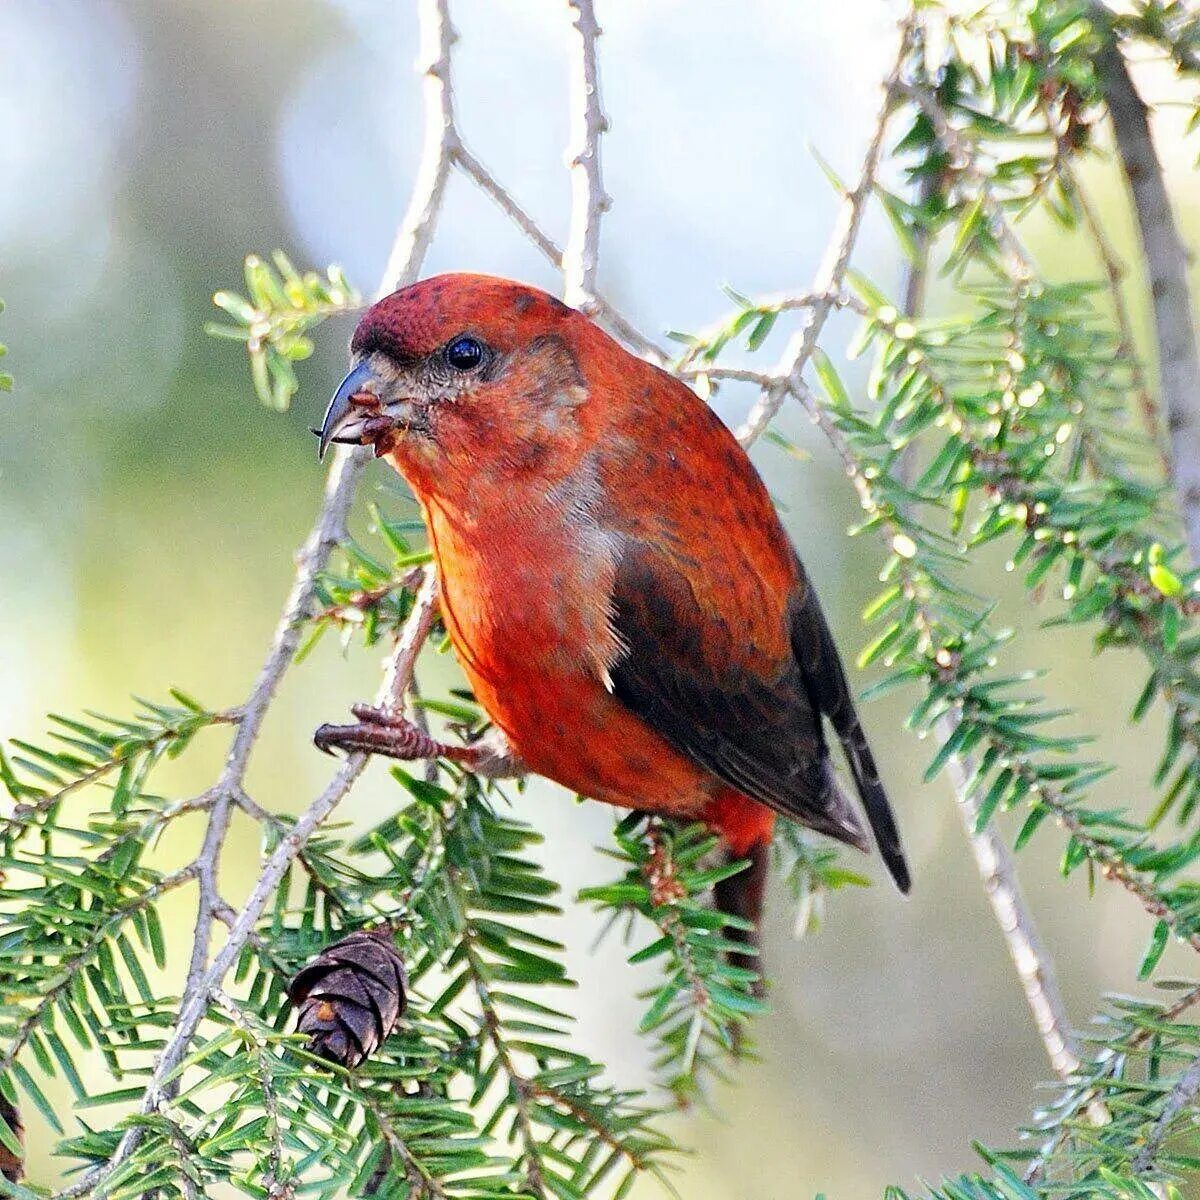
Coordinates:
x,y
613,575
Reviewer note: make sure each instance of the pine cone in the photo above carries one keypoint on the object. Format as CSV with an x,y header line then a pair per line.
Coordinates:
x,y
11,1165
351,996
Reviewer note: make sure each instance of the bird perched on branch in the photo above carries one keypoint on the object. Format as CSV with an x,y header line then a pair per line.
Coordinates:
x,y
614,578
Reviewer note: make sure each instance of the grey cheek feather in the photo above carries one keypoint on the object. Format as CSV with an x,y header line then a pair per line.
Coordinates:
x,y
425,382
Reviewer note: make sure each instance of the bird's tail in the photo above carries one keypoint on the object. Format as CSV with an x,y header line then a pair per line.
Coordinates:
x,y
741,895
822,667
875,802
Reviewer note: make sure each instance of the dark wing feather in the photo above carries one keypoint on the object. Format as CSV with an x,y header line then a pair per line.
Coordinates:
x,y
826,684
684,676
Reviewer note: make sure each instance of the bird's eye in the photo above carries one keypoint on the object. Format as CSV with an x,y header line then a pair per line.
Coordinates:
x,y
464,353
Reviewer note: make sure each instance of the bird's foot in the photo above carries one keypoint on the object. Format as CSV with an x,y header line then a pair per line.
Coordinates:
x,y
380,732
393,736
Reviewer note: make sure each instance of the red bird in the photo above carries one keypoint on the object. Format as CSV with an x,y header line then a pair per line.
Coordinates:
x,y
614,578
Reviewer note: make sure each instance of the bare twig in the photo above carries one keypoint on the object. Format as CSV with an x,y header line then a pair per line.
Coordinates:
x,y
993,858
1166,262
588,198
602,309
399,675
827,285
1090,1097
1182,1094
997,870
763,379
1115,273
441,141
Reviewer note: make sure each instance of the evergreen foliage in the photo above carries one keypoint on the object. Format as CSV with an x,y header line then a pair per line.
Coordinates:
x,y
1008,423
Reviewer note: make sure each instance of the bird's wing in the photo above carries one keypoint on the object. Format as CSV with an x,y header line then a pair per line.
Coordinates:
x,y
684,671
728,654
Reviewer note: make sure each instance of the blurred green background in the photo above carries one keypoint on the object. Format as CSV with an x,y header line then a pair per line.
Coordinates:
x,y
149,508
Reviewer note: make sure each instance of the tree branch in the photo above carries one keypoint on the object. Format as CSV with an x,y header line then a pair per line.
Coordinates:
x,y
1166,264
437,152
1115,272
329,530
1182,1094
827,285
588,198
603,309
993,858
998,871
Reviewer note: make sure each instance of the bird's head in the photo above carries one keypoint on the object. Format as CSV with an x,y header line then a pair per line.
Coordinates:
x,y
460,375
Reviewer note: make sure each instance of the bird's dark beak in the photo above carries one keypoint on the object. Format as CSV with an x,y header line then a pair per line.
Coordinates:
x,y
354,413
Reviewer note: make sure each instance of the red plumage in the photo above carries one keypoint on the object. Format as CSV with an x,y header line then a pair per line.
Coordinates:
x,y
615,580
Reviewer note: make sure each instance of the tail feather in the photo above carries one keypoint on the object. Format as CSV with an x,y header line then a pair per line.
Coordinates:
x,y
818,658
741,895
875,804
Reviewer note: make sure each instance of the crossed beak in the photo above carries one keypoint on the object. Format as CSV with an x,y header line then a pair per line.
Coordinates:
x,y
356,415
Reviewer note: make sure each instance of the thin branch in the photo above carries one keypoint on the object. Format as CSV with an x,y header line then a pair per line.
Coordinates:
x,y
1182,1094
993,859
1166,262
963,162
710,342
998,871
1110,862
328,532
827,285
399,675
602,308
915,277
1092,1096
224,912
1115,272
588,198
594,1125
491,186
330,529
762,379
441,141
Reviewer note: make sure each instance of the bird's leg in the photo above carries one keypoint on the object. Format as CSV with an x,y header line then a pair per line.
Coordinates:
x,y
393,736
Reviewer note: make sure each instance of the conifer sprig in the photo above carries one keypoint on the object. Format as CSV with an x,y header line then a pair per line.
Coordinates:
x,y
1014,414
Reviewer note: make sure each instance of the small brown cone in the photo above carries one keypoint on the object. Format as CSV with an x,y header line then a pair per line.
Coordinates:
x,y
12,1165
351,996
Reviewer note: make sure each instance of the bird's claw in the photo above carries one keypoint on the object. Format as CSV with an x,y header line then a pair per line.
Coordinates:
x,y
381,732
370,715
378,732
